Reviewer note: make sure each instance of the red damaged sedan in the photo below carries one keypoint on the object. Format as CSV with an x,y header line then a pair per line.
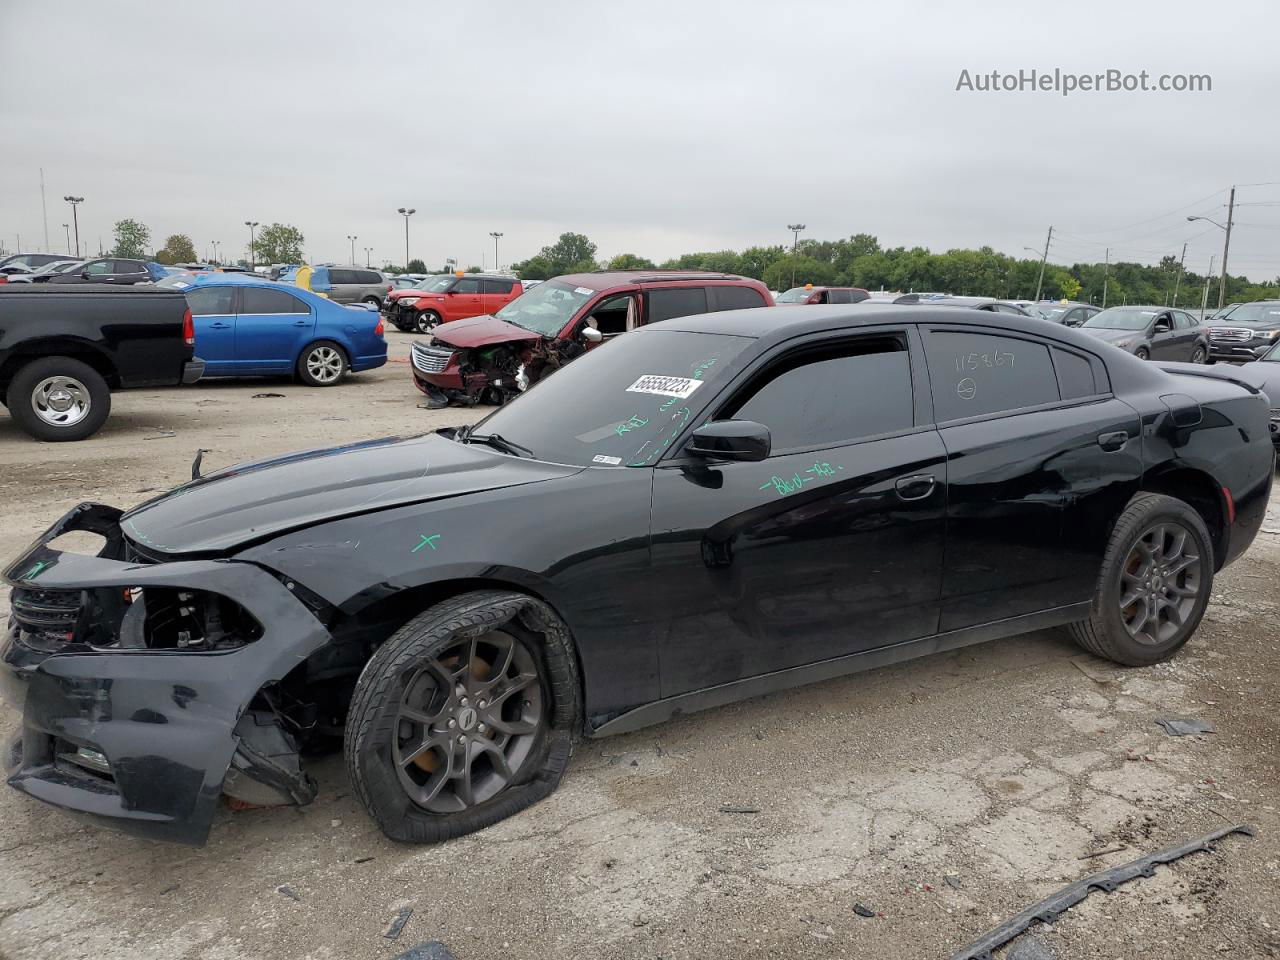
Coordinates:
x,y
487,359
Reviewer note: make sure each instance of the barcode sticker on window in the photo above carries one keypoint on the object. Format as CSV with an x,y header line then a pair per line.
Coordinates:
x,y
681,387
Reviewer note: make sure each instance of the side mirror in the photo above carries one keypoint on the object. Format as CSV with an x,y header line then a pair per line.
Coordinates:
x,y
592,335
84,274
730,440
1162,326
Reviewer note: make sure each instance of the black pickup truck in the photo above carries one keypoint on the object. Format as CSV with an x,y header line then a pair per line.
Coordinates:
x,y
64,349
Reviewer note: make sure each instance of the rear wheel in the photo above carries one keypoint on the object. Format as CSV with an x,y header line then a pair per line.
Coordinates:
x,y
463,717
59,398
1157,575
374,301
1200,355
322,364
425,320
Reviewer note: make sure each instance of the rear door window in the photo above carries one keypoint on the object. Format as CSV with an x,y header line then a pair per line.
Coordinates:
x,y
974,374
367,277
664,304
466,285
341,276
211,301
262,300
734,298
99,268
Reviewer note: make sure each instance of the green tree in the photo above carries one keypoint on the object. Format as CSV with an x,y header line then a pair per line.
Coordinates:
x,y
131,239
415,266
754,261
177,249
572,253
279,243
630,261
806,270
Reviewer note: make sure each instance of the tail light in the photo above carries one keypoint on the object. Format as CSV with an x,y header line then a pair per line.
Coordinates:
x,y
378,330
390,287
4,278
188,329
1231,506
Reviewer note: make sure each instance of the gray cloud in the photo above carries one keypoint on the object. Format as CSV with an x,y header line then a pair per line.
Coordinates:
x,y
657,129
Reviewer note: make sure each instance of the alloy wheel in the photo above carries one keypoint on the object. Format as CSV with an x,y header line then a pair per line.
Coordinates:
x,y
425,321
324,364
1198,356
61,401
468,722
1160,583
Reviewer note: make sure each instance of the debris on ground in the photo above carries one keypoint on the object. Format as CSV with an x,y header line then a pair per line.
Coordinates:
x,y
738,808
1184,726
862,911
289,892
952,881
162,435
1101,853
397,923
266,396
431,950
1054,905
1031,948
362,859
1097,670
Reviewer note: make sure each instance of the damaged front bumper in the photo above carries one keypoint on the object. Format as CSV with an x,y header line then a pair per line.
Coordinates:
x,y
139,723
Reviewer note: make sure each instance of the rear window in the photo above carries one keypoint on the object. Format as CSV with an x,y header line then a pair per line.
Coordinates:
x,y
974,374
367,276
735,298
496,286
1075,375
342,276
676,302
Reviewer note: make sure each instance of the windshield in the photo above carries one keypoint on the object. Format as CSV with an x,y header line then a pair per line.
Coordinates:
x,y
1121,318
435,284
1267,314
622,403
1049,313
546,308
795,295
58,267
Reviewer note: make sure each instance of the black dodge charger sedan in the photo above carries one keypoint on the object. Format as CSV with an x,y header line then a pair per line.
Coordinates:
x,y
706,509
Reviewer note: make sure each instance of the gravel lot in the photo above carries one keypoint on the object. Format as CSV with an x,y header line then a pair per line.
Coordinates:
x,y
999,767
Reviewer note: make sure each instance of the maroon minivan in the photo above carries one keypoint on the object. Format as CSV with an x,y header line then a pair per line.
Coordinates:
x,y
488,359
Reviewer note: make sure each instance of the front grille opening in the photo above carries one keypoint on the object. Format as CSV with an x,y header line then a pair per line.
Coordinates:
x,y
82,759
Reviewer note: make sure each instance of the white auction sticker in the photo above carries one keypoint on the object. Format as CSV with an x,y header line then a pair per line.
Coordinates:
x,y
611,461
681,387
585,291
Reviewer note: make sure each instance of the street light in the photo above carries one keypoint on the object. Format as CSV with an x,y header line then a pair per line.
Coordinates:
x,y
406,212
252,258
75,220
367,252
215,250
67,227
795,229
496,237
1226,243
353,238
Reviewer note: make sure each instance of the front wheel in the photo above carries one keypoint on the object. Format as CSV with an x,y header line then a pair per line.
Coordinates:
x,y
463,717
1142,353
1200,356
322,364
1156,578
425,320
59,398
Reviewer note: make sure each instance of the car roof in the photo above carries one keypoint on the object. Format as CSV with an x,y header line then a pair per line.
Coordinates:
x,y
616,278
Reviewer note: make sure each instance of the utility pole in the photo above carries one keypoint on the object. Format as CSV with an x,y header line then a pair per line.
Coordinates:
x,y
795,229
496,237
1204,298
406,212
1106,275
1179,278
44,212
1043,260
1226,245
75,220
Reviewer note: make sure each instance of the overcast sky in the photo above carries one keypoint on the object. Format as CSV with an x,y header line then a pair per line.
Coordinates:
x,y
655,128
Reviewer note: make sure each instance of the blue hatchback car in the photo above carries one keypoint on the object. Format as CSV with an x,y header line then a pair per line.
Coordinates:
x,y
247,327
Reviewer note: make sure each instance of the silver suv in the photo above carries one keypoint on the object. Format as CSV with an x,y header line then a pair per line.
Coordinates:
x,y
351,284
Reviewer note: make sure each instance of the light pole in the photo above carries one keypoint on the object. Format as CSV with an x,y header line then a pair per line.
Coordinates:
x,y
368,251
1226,244
215,251
75,219
406,212
353,238
67,227
496,237
795,229
253,262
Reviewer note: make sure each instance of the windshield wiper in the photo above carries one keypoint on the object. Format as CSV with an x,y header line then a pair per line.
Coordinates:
x,y
494,440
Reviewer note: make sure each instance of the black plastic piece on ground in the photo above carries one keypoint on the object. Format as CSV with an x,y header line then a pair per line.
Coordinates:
x,y
1051,907
431,950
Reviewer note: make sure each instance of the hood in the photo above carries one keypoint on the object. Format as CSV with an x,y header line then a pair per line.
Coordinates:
x,y
408,294
250,502
481,332
1113,336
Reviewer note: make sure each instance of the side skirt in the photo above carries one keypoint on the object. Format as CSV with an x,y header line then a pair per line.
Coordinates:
x,y
660,711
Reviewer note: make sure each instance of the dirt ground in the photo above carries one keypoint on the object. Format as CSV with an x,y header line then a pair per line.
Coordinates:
x,y
943,795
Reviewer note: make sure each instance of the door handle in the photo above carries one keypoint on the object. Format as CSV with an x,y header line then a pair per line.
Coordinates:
x,y
917,487
219,326
1111,442
300,323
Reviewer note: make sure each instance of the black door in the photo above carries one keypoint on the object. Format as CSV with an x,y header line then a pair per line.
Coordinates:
x,y
129,271
1040,460
1166,344
831,546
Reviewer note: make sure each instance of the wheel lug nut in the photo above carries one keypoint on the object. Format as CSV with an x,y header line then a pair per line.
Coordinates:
x,y
482,704
465,702
462,739
452,722
482,728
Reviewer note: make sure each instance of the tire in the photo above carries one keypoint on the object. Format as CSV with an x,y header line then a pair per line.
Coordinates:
x,y
322,364
1109,631
394,759
373,300
1142,353
425,320
59,398
1200,355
